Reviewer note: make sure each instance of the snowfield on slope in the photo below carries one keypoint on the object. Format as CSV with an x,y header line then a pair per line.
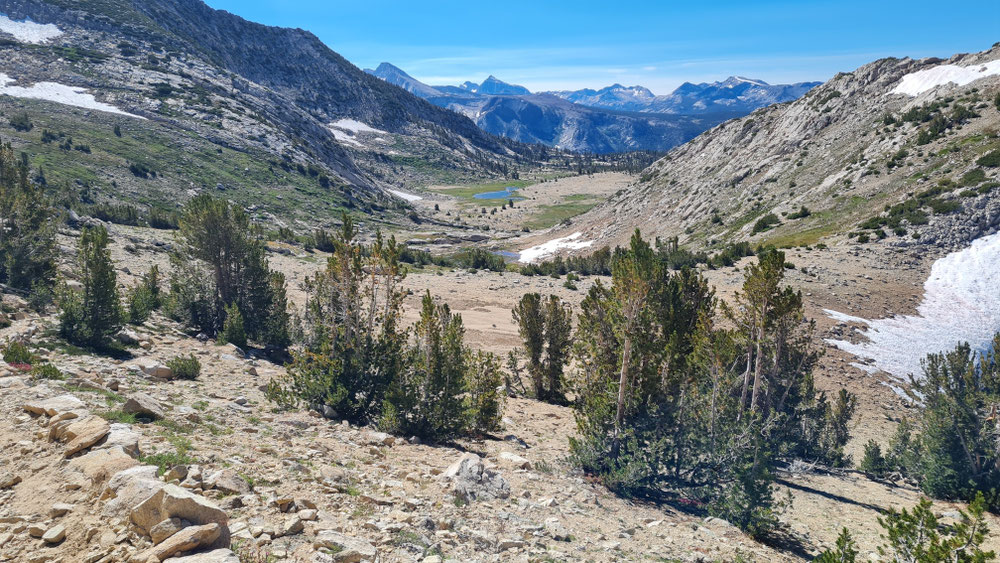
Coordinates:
x,y
28,31
403,195
961,304
917,83
60,94
345,131
545,249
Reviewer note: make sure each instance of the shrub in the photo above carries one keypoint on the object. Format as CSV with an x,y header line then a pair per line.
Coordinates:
x,y
873,464
990,159
765,223
486,397
47,371
916,535
21,122
802,213
16,352
144,297
185,367
161,219
232,329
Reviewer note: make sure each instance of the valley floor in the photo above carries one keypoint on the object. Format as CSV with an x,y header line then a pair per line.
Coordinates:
x,y
390,493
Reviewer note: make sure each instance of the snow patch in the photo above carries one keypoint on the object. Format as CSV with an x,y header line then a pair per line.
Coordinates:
x,y
60,94
529,255
917,83
961,304
28,31
346,130
355,127
403,195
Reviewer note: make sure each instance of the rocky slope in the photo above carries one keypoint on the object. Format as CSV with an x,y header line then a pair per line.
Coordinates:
x,y
865,159
207,100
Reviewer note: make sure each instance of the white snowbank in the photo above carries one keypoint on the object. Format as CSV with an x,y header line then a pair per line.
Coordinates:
x,y
917,83
58,93
355,126
548,248
345,130
406,196
961,304
28,31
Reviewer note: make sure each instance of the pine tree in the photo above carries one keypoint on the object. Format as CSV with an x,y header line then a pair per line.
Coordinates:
x,y
95,316
27,240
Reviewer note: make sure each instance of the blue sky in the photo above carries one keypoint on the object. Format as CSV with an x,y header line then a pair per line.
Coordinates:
x,y
658,44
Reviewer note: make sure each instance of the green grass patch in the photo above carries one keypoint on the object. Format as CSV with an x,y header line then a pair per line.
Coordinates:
x,y
551,215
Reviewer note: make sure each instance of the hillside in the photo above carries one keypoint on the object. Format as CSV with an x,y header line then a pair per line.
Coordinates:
x,y
847,152
209,101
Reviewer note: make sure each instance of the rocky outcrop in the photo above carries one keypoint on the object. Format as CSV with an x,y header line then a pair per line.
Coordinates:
x,y
470,479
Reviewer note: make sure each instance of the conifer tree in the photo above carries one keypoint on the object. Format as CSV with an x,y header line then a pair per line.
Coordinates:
x,y
95,316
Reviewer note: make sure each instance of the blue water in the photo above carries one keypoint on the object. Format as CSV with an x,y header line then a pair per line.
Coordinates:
x,y
505,193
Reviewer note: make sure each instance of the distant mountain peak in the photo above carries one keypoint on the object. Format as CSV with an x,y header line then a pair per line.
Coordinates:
x,y
493,86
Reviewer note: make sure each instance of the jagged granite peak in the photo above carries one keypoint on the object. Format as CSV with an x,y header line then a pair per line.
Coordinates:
x,y
394,75
735,94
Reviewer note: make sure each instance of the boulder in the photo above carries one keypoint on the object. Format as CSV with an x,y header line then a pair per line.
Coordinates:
x,y
60,509
81,434
227,481
167,528
141,404
156,369
471,479
121,436
378,439
187,539
100,464
55,534
346,548
129,488
515,460
214,556
8,479
172,501
54,405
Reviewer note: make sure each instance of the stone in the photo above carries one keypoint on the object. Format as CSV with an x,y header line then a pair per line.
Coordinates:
x,y
308,515
228,481
167,528
347,548
293,526
515,460
432,559
141,404
8,479
556,530
158,370
172,501
512,544
54,405
84,433
55,534
471,479
121,436
127,337
214,556
187,539
60,509
378,439
100,464
129,488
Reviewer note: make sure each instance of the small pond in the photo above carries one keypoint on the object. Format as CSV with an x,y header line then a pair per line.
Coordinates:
x,y
506,193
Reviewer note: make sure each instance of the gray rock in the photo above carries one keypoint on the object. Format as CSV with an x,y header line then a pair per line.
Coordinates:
x,y
141,404
471,480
